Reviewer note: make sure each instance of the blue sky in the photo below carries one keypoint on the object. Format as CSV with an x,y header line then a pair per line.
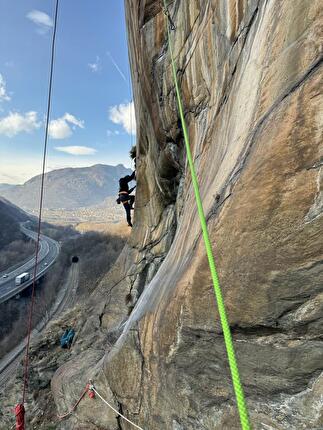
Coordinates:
x,y
91,112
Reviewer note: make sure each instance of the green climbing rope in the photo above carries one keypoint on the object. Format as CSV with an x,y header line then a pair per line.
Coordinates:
x,y
242,407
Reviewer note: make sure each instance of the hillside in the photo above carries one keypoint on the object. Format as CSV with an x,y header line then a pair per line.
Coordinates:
x,y
150,336
10,217
14,245
68,188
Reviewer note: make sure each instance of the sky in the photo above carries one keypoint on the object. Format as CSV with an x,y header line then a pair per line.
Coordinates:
x,y
92,116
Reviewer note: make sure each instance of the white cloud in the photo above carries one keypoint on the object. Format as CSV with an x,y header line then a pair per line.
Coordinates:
x,y
18,171
124,114
43,21
60,128
15,123
96,66
3,91
76,150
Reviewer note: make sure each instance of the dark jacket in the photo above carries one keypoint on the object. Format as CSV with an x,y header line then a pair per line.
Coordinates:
x,y
123,183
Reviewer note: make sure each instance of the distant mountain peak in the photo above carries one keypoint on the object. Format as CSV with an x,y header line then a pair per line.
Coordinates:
x,y
68,188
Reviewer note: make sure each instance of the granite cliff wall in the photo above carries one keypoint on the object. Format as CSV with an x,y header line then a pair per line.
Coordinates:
x,y
251,75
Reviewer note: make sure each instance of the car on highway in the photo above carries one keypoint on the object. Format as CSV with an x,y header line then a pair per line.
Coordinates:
x,y
5,275
45,264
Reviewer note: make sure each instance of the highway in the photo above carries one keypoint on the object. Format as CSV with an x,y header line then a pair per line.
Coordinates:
x,y
65,298
48,252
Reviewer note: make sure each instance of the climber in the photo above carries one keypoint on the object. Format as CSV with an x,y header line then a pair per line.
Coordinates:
x,y
124,195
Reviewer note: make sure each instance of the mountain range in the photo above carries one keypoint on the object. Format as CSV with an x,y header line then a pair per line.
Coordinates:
x,y
67,188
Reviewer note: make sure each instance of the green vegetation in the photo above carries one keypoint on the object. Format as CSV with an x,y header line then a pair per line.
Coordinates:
x,y
96,252
16,252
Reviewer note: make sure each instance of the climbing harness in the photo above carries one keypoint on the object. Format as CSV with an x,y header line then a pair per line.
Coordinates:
x,y
20,410
242,407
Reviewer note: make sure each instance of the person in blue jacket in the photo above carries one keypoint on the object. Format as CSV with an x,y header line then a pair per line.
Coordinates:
x,y
67,338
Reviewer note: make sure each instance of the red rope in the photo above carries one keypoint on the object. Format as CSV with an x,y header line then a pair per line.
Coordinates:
x,y
26,366
20,417
89,390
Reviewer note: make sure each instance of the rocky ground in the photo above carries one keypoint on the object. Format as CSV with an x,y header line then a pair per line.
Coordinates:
x,y
149,336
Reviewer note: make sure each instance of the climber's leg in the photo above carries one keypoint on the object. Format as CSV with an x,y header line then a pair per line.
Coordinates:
x,y
131,201
128,209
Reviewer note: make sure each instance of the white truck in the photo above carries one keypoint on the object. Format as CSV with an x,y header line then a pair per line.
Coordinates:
x,y
20,279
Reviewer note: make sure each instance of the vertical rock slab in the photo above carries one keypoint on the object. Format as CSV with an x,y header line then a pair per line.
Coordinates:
x,y
251,74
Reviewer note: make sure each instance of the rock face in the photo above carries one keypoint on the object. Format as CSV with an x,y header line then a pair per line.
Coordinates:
x,y
251,76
